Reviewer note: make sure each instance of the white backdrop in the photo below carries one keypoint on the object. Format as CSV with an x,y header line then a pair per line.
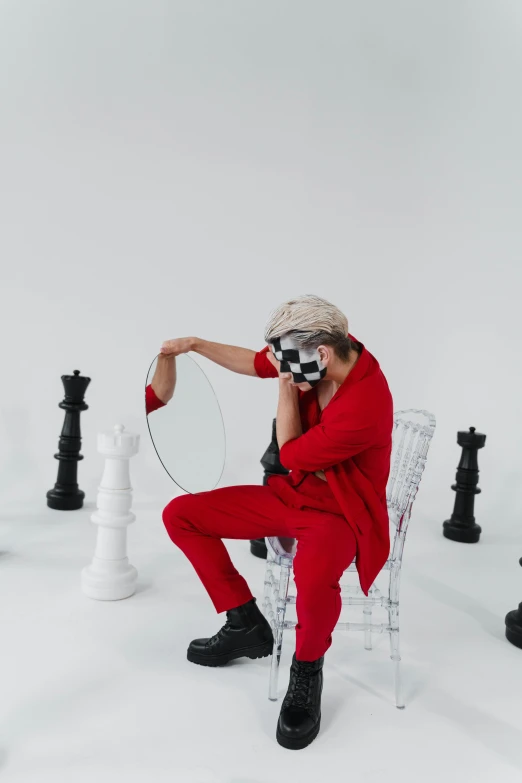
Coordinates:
x,y
172,168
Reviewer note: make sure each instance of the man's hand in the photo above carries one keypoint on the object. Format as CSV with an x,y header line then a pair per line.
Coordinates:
x,y
178,346
284,377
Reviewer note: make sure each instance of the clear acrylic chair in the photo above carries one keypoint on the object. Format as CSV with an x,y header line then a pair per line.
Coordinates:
x,y
412,434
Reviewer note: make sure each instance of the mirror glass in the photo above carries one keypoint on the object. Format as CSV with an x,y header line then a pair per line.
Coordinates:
x,y
188,431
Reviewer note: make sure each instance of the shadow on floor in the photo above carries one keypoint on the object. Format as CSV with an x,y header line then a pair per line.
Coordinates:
x,y
490,622
41,710
143,585
495,734
414,681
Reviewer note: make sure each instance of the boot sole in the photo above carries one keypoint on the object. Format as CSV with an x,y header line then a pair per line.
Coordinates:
x,y
297,744
261,651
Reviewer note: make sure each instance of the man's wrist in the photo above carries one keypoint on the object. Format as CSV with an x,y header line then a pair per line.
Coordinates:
x,y
286,388
194,344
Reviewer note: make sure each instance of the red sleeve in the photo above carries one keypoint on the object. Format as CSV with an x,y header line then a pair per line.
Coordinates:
x,y
342,434
152,402
263,367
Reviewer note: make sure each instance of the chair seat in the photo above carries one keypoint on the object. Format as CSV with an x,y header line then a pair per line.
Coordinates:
x,y
279,555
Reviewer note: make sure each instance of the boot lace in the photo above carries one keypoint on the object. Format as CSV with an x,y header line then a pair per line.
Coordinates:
x,y
300,683
219,635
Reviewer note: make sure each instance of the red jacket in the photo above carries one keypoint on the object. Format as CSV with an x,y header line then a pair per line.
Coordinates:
x,y
351,441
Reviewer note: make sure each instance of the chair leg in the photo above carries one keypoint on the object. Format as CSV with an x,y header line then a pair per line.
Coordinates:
x,y
274,667
395,655
367,614
280,602
267,597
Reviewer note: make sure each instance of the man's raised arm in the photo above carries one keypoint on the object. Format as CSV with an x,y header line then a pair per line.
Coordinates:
x,y
232,357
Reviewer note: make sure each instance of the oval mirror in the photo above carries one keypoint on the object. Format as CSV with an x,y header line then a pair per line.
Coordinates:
x,y
188,431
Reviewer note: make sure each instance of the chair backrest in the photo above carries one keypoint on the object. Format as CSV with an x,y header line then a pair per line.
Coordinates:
x,y
412,434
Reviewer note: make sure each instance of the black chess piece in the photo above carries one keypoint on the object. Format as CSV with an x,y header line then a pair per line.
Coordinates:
x,y
272,467
66,496
514,624
462,526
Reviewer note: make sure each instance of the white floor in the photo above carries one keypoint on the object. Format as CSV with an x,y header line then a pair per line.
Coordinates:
x,y
102,691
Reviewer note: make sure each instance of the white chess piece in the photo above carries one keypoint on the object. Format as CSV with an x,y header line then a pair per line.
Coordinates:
x,y
110,576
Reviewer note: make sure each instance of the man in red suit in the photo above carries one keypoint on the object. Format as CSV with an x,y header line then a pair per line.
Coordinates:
x,y
334,427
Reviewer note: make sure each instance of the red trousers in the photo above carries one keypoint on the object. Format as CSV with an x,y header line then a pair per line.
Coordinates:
x,y
308,513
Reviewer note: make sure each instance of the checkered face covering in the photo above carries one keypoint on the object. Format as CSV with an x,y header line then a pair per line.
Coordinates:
x,y
304,364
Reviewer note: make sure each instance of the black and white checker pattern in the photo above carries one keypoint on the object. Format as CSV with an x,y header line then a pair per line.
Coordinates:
x,y
305,365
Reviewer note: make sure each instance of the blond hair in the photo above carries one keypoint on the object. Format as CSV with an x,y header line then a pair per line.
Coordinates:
x,y
310,321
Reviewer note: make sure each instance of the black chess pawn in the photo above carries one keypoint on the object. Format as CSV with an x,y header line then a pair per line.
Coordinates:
x,y
514,624
462,526
66,496
272,467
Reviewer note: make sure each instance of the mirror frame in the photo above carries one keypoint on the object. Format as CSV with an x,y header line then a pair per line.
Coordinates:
x,y
222,423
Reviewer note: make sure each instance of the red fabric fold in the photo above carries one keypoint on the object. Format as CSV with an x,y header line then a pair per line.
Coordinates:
x,y
263,366
152,401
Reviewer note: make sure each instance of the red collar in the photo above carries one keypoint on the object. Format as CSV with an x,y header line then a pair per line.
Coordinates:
x,y
361,366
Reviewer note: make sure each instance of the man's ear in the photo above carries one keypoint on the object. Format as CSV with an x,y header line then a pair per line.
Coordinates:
x,y
325,352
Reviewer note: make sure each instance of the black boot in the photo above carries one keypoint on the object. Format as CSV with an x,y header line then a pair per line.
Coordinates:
x,y
246,634
300,717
